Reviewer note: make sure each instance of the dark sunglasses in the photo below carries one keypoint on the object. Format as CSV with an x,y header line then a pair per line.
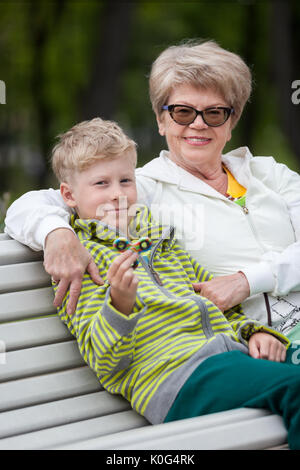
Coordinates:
x,y
185,115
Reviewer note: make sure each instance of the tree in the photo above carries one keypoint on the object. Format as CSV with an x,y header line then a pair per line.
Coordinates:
x,y
285,53
101,97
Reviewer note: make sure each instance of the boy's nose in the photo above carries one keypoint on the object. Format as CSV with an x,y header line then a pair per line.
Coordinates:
x,y
117,192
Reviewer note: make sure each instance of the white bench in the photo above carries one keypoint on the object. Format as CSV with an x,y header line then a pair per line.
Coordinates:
x,y
50,399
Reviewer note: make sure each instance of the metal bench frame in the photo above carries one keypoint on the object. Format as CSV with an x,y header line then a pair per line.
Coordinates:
x,y
50,399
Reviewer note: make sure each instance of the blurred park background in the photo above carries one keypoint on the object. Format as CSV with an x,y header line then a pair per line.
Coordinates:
x,y
66,61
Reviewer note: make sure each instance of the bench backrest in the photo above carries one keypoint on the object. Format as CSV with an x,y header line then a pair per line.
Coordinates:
x,y
49,396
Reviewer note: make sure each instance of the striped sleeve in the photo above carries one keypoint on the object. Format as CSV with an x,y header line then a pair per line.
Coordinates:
x,y
106,339
105,336
245,327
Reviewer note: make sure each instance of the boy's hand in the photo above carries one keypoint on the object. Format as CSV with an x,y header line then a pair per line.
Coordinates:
x,y
265,346
123,282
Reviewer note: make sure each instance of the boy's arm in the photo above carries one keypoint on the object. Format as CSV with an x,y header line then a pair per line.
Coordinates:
x,y
245,328
105,336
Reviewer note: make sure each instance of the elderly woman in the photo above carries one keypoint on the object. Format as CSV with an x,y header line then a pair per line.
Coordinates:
x,y
237,214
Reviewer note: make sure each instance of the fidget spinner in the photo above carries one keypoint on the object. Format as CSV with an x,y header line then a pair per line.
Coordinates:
x,y
143,244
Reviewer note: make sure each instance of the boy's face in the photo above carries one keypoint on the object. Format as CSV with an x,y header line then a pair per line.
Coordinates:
x,y
106,190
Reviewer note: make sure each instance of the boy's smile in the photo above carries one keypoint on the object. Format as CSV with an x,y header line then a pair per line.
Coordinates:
x,y
105,191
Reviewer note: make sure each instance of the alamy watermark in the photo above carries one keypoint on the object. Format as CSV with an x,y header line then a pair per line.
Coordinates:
x,y
187,219
2,92
296,94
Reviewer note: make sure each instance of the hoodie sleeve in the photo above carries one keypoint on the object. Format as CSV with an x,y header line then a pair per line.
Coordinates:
x,y
146,189
245,328
105,336
279,272
34,215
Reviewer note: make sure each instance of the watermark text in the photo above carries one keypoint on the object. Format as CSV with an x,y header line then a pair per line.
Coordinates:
x,y
296,93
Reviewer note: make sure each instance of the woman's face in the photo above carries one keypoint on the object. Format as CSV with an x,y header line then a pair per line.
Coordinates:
x,y
195,147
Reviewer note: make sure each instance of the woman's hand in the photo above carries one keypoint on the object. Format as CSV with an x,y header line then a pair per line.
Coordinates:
x,y
265,346
225,291
123,282
66,260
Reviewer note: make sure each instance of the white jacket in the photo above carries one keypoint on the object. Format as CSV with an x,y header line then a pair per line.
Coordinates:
x,y
262,240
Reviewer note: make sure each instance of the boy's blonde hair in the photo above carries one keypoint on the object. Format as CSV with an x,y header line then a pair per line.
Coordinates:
x,y
88,142
204,64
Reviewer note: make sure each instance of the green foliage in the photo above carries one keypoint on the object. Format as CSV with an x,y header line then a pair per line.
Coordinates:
x,y
48,54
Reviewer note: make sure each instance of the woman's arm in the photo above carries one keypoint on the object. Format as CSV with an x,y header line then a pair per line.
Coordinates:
x,y
279,273
40,219
34,215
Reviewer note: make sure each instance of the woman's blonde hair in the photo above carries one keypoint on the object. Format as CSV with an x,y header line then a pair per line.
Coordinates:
x,y
203,64
87,142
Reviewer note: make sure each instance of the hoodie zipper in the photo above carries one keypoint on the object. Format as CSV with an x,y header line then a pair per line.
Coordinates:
x,y
254,232
252,226
149,268
149,265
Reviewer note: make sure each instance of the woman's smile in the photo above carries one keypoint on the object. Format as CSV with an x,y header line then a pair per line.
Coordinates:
x,y
197,141
196,146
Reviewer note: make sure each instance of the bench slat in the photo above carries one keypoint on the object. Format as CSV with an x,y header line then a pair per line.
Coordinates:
x,y
60,412
229,430
14,252
256,434
30,333
47,387
75,432
40,360
26,304
4,236
16,277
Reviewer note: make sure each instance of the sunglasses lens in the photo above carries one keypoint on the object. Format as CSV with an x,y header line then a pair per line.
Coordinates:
x,y
183,114
216,116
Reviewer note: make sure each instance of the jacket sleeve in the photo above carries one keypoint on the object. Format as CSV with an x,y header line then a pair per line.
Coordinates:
x,y
105,336
245,328
34,215
279,273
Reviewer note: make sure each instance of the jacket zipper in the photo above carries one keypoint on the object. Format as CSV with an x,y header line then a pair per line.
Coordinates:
x,y
202,305
253,229
252,226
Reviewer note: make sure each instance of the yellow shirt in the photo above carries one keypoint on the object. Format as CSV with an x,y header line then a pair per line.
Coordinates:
x,y
234,188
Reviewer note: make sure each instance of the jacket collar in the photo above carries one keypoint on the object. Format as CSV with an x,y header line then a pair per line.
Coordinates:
x,y
165,170
141,225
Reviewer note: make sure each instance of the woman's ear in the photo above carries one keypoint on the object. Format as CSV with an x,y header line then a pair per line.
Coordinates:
x,y
229,135
161,125
67,194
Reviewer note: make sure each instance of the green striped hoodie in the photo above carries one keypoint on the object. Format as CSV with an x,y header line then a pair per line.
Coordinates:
x,y
147,356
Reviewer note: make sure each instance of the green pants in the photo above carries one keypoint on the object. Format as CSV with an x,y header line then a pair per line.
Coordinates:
x,y
234,380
